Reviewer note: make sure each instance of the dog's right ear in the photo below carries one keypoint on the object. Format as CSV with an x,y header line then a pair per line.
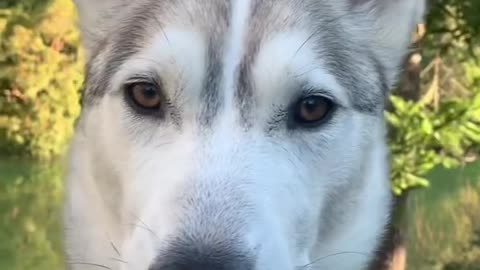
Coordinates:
x,y
95,17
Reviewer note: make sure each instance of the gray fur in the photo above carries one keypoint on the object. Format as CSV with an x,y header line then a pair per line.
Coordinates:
x,y
259,190
352,68
211,92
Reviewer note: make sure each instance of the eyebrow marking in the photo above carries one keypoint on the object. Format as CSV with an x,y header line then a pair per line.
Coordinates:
x,y
354,68
119,47
211,88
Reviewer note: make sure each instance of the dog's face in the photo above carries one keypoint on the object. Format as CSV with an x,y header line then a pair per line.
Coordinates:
x,y
241,134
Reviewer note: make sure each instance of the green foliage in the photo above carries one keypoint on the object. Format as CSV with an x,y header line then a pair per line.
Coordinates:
x,y
31,7
441,128
445,224
423,137
453,23
40,75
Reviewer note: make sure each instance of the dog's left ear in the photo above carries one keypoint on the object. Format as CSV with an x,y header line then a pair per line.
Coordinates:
x,y
388,26
95,17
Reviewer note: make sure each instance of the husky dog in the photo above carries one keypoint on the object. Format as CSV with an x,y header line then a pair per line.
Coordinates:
x,y
233,134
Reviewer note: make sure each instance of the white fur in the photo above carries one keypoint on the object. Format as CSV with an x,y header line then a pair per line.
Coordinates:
x,y
236,45
175,58
281,66
393,23
130,179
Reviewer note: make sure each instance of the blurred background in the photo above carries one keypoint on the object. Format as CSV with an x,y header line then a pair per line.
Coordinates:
x,y
433,117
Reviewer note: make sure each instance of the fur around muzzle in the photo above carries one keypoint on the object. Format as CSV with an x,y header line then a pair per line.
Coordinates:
x,y
230,134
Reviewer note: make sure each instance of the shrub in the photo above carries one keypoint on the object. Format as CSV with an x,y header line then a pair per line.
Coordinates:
x,y
433,132
40,75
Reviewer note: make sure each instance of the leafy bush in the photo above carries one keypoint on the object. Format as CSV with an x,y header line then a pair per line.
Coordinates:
x,y
40,74
453,23
444,126
428,133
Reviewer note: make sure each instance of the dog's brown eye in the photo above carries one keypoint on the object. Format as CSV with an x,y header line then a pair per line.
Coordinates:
x,y
312,110
145,96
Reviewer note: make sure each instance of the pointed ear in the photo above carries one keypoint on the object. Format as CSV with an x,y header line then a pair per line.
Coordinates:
x,y
388,26
94,18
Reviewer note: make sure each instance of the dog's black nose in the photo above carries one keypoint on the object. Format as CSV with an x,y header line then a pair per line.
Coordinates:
x,y
202,257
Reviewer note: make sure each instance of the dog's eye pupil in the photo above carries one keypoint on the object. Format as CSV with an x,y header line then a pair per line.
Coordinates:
x,y
145,95
313,109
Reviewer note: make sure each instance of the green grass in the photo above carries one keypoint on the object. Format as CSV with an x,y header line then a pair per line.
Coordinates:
x,y
30,199
445,222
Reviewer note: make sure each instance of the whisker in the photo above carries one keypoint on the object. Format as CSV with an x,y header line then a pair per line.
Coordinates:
x,y
90,264
306,72
305,43
119,260
141,221
333,255
144,228
161,26
334,20
115,249
149,60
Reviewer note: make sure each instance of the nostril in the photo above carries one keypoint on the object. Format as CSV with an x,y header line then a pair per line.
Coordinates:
x,y
193,258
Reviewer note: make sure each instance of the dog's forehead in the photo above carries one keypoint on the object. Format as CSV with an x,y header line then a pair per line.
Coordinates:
x,y
243,27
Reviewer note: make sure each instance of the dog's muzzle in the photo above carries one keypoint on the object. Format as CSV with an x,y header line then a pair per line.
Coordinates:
x,y
185,255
